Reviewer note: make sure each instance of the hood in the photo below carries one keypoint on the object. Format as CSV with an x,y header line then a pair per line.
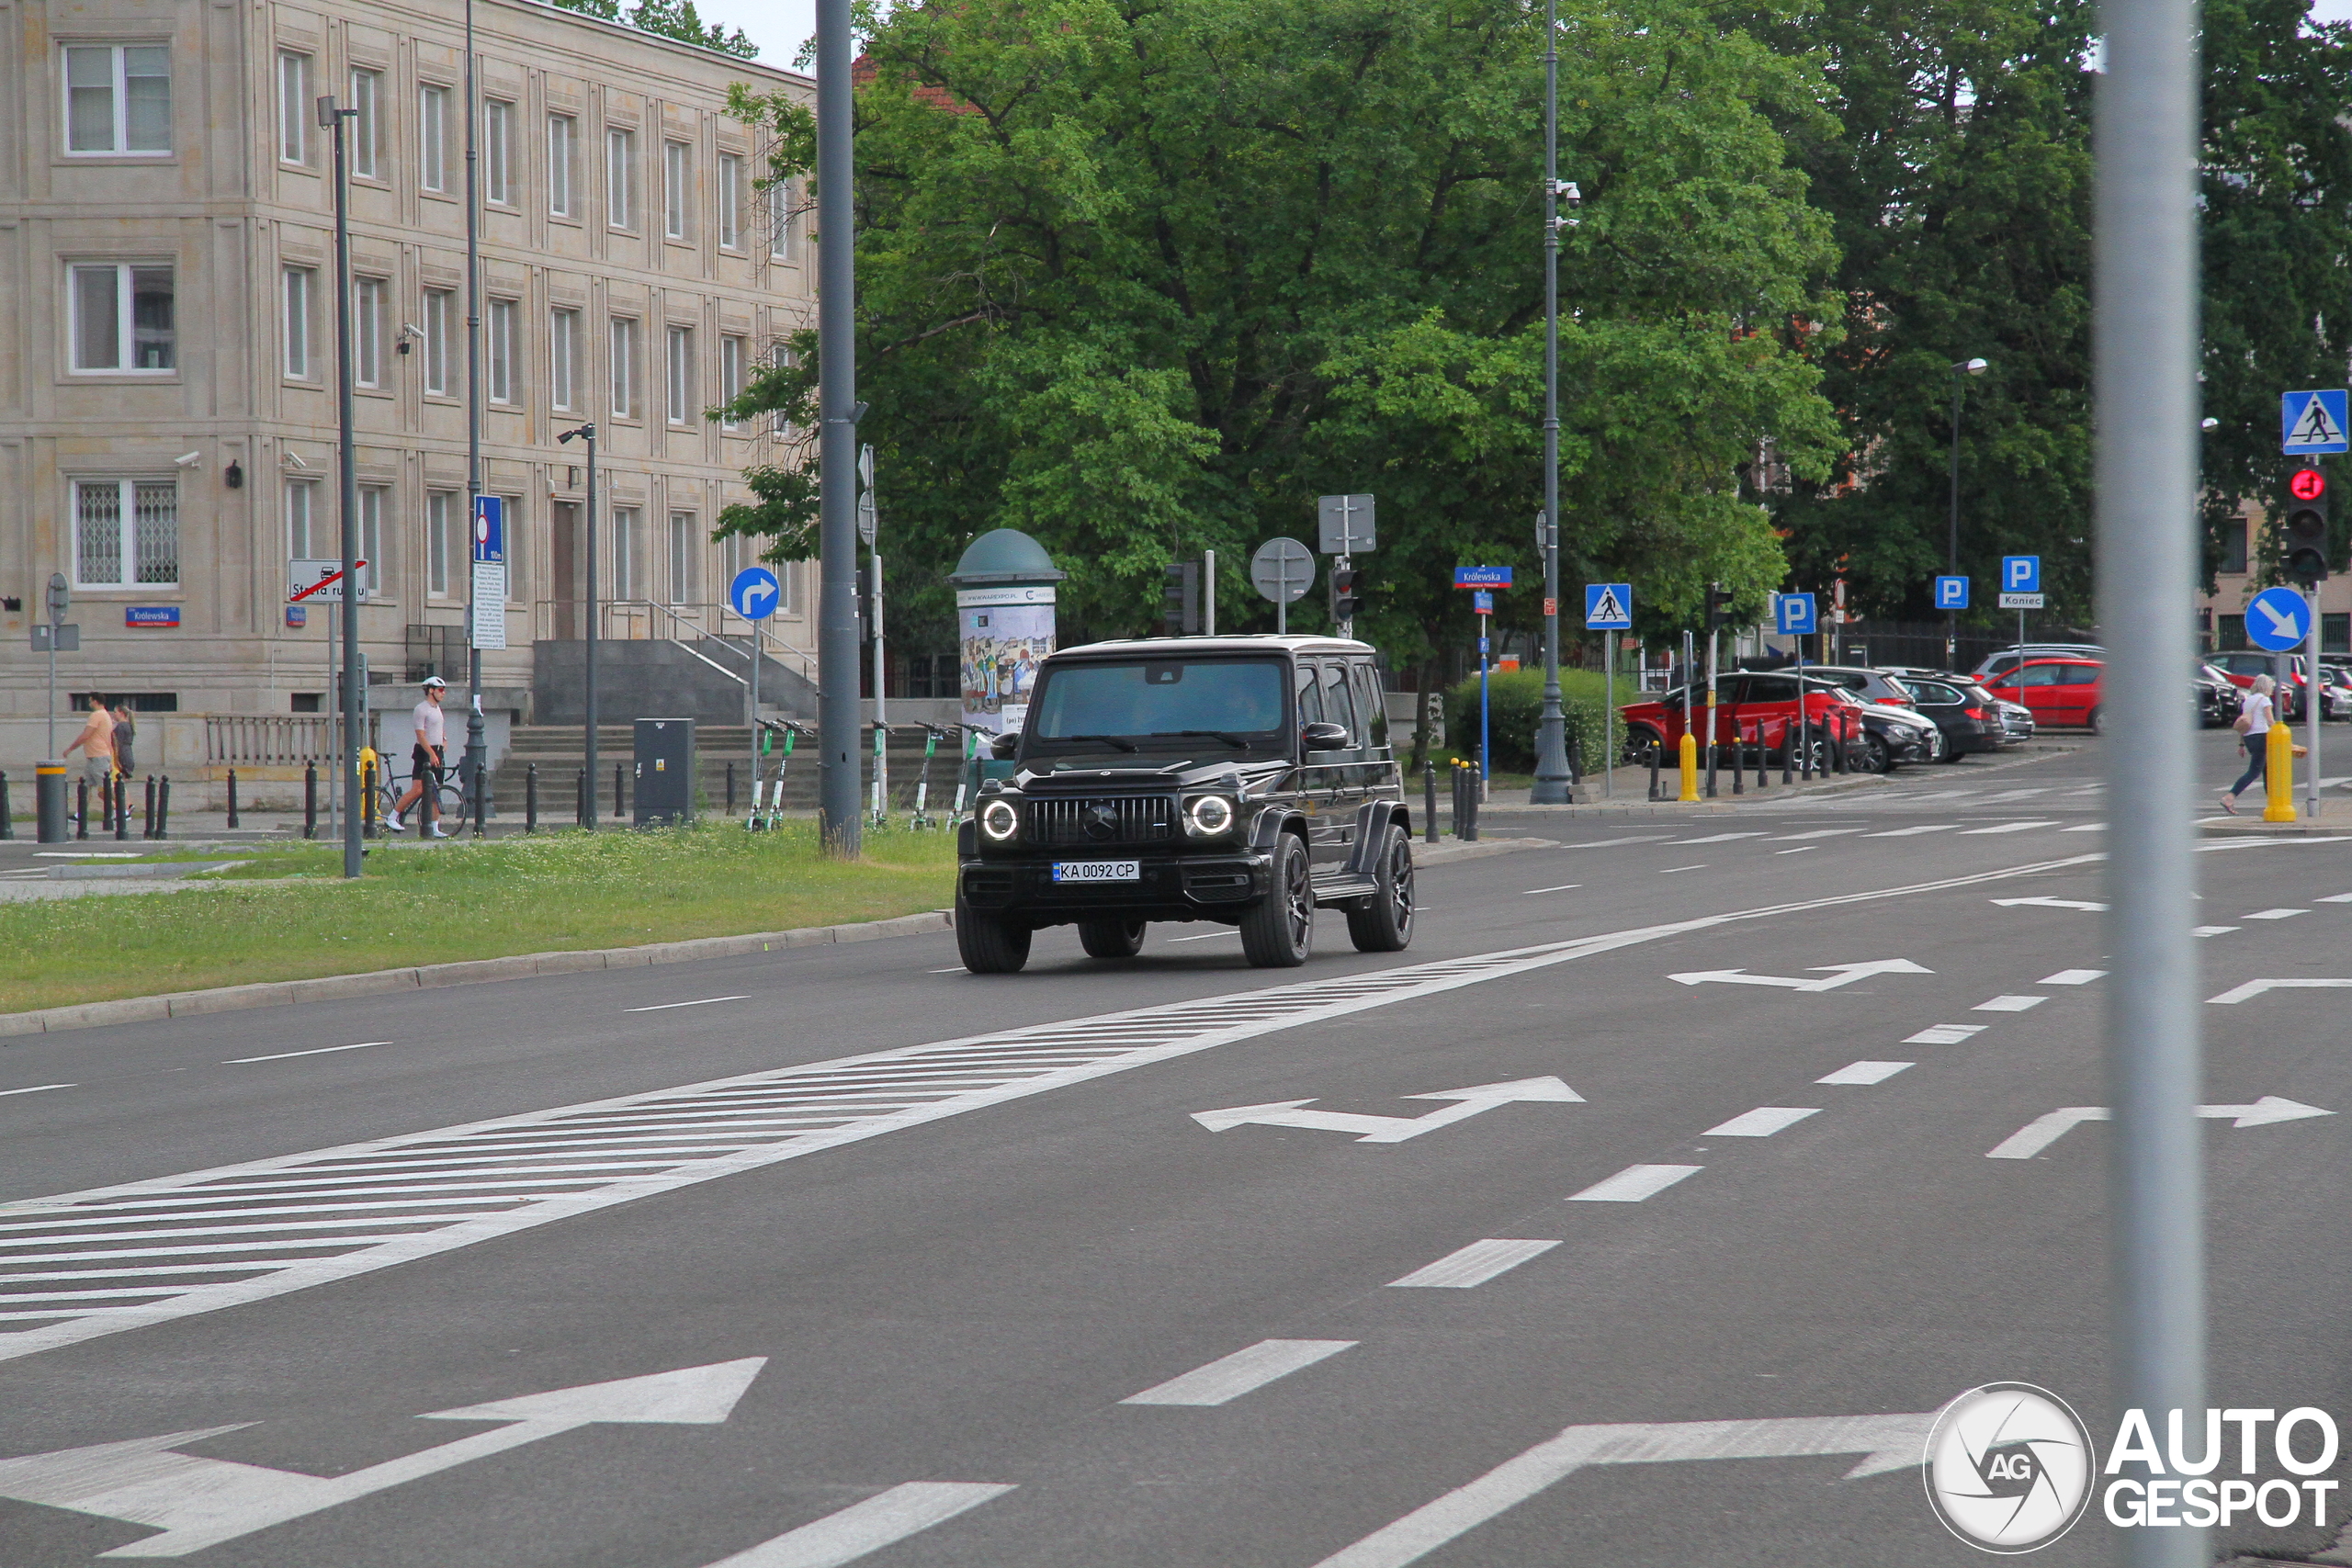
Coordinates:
x,y
1133,776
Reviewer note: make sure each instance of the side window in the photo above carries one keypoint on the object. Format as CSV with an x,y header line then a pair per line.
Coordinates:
x,y
2079,674
1338,706
1770,689
1370,703
1310,694
2038,675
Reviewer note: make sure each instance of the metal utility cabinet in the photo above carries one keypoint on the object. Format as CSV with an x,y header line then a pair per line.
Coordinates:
x,y
664,777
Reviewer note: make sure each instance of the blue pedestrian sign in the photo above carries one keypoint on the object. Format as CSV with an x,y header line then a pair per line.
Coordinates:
x,y
2278,621
1951,593
490,528
2021,574
755,594
1792,614
1609,606
1482,577
2310,423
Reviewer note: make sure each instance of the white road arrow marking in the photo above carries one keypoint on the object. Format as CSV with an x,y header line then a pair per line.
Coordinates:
x,y
1887,1442
1389,1129
199,1502
2051,903
2254,988
2043,1131
1837,974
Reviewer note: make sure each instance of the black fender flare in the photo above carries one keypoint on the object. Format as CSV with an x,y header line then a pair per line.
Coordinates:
x,y
1372,820
1271,823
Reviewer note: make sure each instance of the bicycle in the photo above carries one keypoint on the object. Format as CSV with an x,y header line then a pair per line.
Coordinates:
x,y
448,796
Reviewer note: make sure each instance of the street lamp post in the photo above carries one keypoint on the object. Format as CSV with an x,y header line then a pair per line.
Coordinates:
x,y
353,697
1555,778
1960,370
587,433
837,417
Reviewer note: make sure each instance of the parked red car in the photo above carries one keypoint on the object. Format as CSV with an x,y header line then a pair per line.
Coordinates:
x,y
2056,690
1752,708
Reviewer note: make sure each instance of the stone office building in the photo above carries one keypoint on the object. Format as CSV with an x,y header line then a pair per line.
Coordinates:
x,y
167,336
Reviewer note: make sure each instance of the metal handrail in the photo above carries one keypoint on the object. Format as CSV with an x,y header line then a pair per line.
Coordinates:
x,y
638,620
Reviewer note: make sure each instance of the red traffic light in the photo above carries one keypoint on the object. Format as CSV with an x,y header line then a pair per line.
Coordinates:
x,y
2308,484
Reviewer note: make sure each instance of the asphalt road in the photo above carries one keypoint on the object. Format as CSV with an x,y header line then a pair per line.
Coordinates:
x,y
1009,1302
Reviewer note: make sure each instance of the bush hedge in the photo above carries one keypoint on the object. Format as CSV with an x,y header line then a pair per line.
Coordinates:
x,y
1515,703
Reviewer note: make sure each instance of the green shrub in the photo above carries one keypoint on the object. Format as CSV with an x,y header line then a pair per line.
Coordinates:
x,y
1515,702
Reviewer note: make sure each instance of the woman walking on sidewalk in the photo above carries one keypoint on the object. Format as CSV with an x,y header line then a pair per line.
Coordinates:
x,y
2255,716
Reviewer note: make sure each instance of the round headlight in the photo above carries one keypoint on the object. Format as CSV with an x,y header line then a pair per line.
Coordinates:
x,y
1210,815
999,820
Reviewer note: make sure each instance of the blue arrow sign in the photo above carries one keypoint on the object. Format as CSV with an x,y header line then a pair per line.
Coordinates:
x,y
755,594
490,528
1951,593
1792,614
2021,574
1482,577
2310,423
1609,606
2279,620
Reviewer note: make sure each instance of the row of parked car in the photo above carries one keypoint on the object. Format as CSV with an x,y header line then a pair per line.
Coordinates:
x,y
1887,715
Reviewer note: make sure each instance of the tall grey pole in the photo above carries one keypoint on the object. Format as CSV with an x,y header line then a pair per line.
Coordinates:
x,y
354,700
1952,618
588,433
837,705
1555,780
476,751
2313,702
2144,334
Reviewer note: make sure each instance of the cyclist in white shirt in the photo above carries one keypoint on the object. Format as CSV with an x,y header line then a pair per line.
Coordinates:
x,y
424,762
2256,712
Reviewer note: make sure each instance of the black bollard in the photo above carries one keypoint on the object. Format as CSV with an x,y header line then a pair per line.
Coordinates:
x,y
730,789
1837,745
1738,761
1473,785
1429,799
619,787
579,812
82,808
1763,760
232,797
531,798
1788,755
310,800
163,809
49,802
1657,751
8,823
122,810
147,823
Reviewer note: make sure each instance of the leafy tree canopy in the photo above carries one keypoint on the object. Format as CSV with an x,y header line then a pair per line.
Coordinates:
x,y
671,19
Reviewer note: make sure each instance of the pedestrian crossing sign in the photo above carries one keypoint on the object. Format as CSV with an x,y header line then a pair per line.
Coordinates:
x,y
2312,423
1608,606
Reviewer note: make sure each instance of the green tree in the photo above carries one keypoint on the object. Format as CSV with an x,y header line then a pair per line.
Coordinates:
x,y
1144,276
671,19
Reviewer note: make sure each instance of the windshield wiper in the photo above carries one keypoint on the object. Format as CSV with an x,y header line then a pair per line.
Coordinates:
x,y
1216,735
1106,739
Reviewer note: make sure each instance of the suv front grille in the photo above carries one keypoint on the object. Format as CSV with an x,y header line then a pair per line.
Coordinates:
x,y
1102,819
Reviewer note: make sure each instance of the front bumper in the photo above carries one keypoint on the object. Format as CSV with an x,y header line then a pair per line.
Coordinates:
x,y
1219,884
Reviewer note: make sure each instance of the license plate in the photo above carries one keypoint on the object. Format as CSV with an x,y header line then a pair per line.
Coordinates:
x,y
1098,870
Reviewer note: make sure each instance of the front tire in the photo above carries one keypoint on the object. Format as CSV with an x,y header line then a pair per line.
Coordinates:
x,y
1280,932
1876,758
2098,718
1387,925
989,943
1111,939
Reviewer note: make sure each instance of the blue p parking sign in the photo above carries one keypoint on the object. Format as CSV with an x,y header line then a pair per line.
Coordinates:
x,y
1792,614
1951,593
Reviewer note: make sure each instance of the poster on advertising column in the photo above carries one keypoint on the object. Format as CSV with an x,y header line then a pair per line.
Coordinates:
x,y
1005,632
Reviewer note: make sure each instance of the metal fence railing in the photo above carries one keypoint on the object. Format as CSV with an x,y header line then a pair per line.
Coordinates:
x,y
266,740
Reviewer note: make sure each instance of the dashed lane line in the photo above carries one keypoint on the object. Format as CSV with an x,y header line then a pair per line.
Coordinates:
x,y
1944,1035
1473,1265
313,1051
1761,1123
697,1002
2274,914
2008,1004
2006,828
1634,1183
38,1088
1229,1377
1865,1072
2072,978
863,1529
172,1246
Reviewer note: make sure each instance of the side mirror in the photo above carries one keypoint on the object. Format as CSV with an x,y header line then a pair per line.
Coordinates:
x,y
1005,747
1325,738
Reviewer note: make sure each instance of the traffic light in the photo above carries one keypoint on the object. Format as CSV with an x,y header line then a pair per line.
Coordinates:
x,y
2303,541
1718,601
1347,592
1180,599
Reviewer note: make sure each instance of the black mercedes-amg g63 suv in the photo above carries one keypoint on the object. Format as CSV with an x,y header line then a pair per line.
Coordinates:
x,y
1244,780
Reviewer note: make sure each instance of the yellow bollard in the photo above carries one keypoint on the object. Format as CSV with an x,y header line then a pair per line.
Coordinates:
x,y
367,792
2279,776
1689,768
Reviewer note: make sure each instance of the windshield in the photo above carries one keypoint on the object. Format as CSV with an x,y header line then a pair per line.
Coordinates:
x,y
1211,704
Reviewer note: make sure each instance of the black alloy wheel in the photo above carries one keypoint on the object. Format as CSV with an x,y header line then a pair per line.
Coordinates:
x,y
1280,931
1386,922
989,943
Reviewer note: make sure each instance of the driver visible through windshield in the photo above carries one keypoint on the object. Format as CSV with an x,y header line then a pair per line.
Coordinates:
x,y
1233,701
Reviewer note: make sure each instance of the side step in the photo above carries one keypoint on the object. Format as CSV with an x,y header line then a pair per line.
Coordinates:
x,y
1342,889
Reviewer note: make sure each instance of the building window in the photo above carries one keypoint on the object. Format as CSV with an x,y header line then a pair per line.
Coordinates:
x,y
679,405
731,201
2335,632
440,305
497,153
118,98
294,107
623,367
563,154
298,321
2229,634
500,333
2233,548
627,523
107,553
365,137
367,331
620,179
677,188
440,541
433,139
730,379
122,318
682,558
371,541
563,359
301,495
783,224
